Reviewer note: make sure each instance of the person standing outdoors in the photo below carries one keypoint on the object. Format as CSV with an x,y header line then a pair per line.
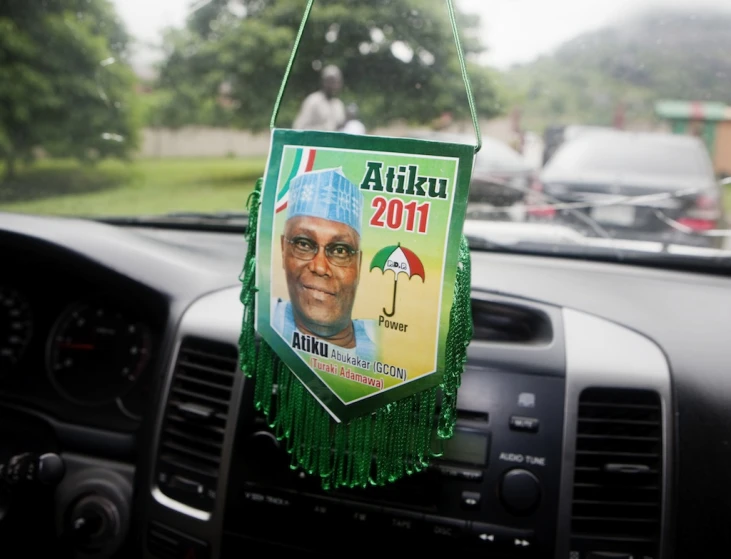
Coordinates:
x,y
323,110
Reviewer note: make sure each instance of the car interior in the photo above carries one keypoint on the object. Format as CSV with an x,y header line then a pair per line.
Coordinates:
x,y
593,416
584,413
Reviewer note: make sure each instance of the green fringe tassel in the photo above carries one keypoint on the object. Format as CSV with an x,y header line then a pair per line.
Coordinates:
x,y
395,441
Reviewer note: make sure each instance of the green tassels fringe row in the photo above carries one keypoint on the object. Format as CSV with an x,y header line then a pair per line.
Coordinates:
x,y
395,441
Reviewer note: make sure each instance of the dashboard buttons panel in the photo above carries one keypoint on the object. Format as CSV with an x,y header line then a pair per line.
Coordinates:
x,y
520,491
525,424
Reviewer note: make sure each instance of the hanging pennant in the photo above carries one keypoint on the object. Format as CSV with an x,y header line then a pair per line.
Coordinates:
x,y
357,282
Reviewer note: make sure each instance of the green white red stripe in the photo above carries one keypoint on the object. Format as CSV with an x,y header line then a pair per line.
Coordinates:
x,y
304,161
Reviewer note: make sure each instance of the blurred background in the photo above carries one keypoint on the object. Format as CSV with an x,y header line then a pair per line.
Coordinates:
x,y
136,107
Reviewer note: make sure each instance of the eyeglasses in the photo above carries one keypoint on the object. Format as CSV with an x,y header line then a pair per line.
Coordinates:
x,y
338,254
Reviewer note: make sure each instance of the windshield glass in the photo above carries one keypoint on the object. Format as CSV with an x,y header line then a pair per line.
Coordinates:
x,y
605,123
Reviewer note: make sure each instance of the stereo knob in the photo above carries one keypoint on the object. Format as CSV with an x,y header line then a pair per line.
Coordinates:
x,y
520,491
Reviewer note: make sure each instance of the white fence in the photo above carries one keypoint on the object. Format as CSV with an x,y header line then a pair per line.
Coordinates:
x,y
226,142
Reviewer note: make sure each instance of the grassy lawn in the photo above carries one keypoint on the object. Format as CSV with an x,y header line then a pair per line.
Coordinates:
x,y
146,186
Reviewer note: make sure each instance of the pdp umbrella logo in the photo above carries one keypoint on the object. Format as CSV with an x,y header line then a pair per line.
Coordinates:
x,y
399,260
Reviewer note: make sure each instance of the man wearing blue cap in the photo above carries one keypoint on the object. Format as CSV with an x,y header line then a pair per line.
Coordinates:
x,y
321,257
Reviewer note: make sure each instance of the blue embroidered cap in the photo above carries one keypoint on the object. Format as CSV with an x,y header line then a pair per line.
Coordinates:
x,y
326,194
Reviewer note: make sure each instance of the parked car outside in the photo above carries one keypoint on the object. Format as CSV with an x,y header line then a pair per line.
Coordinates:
x,y
631,185
501,176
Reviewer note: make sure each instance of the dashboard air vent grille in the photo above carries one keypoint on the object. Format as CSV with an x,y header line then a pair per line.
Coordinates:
x,y
618,474
191,442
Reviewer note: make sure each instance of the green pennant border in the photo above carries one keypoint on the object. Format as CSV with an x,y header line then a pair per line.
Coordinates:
x,y
280,138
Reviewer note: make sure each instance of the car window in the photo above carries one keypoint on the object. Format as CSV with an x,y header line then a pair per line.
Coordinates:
x,y
628,154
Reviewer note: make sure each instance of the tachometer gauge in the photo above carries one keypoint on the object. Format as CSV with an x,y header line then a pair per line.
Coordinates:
x,y
16,327
97,353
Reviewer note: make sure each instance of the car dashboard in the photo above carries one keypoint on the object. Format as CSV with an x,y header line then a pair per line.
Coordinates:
x,y
593,415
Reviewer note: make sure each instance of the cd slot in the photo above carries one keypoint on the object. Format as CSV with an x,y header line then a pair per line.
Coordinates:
x,y
419,490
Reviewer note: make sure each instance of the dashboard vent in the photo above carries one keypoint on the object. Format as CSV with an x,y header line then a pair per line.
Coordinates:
x,y
618,475
191,442
505,323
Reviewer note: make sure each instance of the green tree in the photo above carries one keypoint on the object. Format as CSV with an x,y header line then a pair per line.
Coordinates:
x,y
65,85
397,56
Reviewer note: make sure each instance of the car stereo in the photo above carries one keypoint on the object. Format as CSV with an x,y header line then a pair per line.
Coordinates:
x,y
495,488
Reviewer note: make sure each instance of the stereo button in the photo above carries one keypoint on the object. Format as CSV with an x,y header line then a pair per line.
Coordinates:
x,y
491,536
471,500
520,491
445,528
525,424
460,473
406,523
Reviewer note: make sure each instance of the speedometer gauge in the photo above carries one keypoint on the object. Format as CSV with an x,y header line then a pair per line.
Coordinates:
x,y
97,353
16,326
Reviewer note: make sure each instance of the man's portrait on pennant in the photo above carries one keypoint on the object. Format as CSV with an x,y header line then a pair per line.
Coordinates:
x,y
356,264
322,262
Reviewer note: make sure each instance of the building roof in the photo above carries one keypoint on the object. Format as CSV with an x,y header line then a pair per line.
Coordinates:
x,y
692,110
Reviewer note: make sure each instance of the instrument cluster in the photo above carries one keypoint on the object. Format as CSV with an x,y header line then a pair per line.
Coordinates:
x,y
93,351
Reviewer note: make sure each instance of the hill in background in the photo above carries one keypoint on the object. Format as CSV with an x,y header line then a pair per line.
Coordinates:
x,y
658,55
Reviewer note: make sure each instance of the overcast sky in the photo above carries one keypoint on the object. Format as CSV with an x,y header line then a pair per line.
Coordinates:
x,y
514,30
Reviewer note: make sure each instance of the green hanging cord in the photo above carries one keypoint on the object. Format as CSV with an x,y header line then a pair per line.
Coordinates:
x,y
460,57
465,75
290,63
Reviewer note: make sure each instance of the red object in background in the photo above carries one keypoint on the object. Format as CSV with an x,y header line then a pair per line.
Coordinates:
x,y
695,127
619,117
536,203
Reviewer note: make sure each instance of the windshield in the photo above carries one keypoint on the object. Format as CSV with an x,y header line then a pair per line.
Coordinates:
x,y
605,123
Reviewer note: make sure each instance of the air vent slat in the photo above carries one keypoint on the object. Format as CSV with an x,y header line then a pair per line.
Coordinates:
x,y
184,449
623,540
173,465
618,472
201,382
611,519
208,431
192,437
618,421
208,442
185,364
620,503
227,360
618,438
192,396
609,453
